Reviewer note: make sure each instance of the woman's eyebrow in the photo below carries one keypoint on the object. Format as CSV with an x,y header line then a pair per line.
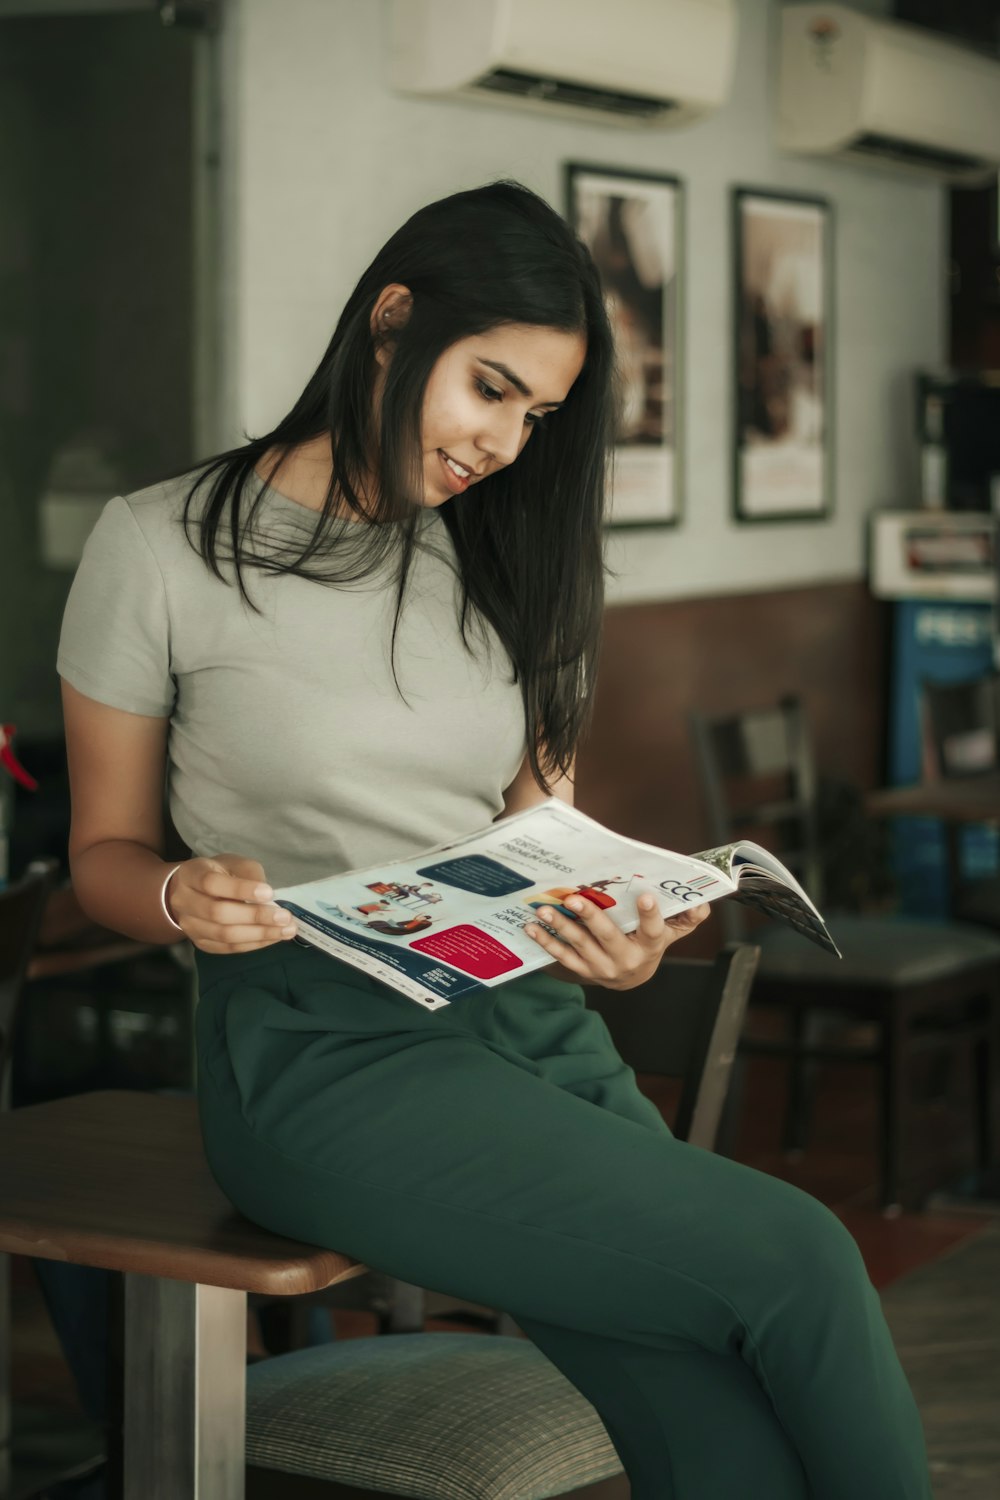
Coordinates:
x,y
515,380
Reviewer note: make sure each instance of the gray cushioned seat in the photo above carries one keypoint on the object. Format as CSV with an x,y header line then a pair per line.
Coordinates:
x,y
887,951
438,1416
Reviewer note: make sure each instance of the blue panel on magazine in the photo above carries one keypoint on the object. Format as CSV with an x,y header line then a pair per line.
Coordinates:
x,y
477,873
445,982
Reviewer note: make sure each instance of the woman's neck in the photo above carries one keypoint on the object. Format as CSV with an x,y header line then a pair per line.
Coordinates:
x,y
304,473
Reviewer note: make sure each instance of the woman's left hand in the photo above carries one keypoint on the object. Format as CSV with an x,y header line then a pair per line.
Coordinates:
x,y
593,950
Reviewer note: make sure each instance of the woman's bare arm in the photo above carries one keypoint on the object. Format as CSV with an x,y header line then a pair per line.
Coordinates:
x,y
117,762
116,842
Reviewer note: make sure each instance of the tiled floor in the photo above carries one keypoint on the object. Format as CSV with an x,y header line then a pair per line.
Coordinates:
x,y
945,1320
839,1168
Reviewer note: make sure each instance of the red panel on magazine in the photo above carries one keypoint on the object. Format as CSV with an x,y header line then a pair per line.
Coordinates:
x,y
599,898
470,950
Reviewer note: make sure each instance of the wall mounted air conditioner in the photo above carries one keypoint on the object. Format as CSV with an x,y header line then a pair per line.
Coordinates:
x,y
631,62
877,91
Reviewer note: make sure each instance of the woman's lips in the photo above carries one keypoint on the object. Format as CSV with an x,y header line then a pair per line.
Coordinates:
x,y
455,482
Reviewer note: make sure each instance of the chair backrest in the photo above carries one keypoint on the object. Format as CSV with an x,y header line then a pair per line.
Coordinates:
x,y
961,722
685,1023
758,778
21,908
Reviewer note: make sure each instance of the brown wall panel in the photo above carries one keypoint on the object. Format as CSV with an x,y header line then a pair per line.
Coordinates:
x,y
636,770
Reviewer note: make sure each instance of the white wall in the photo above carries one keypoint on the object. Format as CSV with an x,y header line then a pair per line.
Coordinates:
x,y
321,163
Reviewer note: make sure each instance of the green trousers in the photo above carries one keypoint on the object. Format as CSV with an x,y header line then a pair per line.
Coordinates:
x,y
720,1321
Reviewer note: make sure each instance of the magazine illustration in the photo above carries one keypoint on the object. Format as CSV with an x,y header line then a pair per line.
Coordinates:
x,y
449,922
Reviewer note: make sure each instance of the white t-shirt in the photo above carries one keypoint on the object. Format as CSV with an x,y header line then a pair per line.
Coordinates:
x,y
288,740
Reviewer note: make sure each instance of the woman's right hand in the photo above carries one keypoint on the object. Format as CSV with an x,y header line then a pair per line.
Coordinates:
x,y
224,905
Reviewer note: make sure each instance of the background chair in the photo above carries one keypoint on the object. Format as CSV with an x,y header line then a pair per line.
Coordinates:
x,y
445,1415
963,720
921,985
21,908
685,1024
961,735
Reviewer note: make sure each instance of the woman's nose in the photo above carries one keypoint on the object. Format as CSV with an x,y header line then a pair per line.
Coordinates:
x,y
502,439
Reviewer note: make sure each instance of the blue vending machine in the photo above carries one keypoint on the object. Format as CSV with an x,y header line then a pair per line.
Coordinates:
x,y
937,568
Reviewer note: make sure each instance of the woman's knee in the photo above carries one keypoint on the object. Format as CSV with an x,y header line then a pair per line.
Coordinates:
x,y
795,1253
824,1240
818,1259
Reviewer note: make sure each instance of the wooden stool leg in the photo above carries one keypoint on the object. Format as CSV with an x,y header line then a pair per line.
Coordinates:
x,y
185,1390
406,1309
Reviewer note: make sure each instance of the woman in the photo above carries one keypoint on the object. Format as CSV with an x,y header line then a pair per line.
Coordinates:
x,y
364,633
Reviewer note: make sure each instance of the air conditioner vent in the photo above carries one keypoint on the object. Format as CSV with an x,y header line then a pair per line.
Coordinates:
x,y
884,94
578,95
910,154
631,64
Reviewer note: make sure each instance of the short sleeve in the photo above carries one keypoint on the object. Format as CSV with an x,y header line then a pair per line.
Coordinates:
x,y
115,640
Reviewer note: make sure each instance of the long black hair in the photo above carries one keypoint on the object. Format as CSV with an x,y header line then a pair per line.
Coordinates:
x,y
528,538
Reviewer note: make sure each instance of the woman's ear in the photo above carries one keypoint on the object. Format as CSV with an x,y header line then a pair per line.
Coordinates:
x,y
391,312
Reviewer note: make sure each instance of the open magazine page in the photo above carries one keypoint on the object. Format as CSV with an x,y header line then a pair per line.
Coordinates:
x,y
763,882
449,922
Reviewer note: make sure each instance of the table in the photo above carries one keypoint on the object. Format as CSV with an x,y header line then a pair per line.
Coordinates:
x,y
967,799
69,942
71,947
119,1180
956,800
953,801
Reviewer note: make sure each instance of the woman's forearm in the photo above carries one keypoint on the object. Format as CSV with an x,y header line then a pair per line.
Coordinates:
x,y
118,884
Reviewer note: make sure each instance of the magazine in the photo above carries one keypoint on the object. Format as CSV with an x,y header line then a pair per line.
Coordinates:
x,y
449,922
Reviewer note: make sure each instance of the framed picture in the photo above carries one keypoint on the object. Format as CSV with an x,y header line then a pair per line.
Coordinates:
x,y
783,396
631,223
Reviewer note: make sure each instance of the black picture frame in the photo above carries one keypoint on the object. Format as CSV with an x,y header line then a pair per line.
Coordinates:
x,y
783,356
640,257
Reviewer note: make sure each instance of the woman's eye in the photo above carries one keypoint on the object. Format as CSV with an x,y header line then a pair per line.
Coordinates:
x,y
490,393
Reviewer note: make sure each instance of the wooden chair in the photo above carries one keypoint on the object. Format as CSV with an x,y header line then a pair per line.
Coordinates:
x,y
685,1023
961,727
21,907
921,985
120,1180
963,721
